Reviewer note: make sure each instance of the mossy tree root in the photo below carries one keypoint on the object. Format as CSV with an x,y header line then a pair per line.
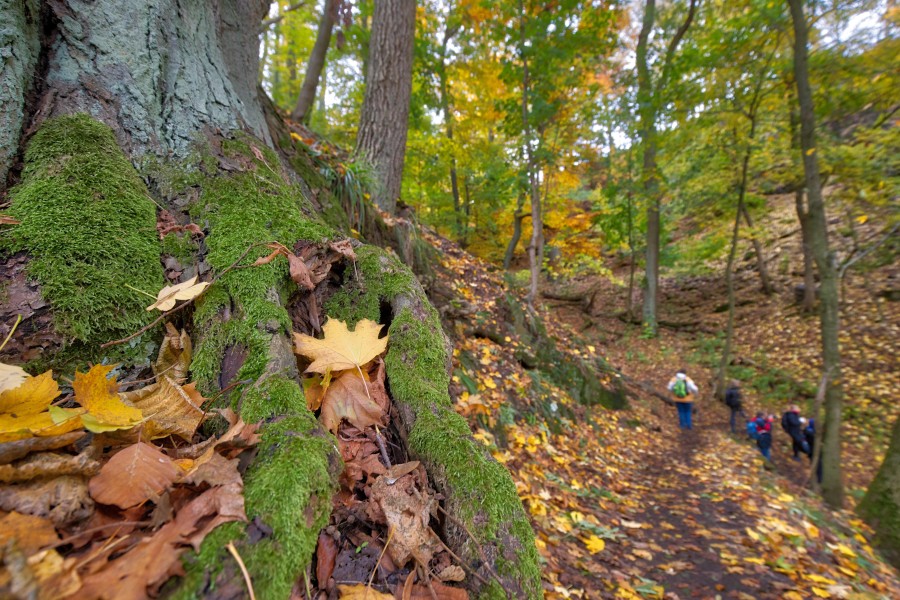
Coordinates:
x,y
478,492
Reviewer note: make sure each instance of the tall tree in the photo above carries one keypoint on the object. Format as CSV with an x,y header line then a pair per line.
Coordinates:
x,y
385,111
832,485
316,61
649,100
881,505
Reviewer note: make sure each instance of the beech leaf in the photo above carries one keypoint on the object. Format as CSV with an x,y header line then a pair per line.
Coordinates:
x,y
106,410
171,294
361,592
136,474
341,349
11,376
350,397
169,408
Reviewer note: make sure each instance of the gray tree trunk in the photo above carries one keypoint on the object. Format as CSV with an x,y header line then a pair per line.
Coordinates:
x,y
765,281
881,505
20,47
385,110
832,485
316,62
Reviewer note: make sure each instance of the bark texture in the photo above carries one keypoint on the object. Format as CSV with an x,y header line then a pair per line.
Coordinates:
x,y
316,62
385,110
158,73
20,47
832,485
881,505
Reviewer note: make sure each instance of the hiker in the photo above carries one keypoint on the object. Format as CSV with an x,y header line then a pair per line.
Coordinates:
x,y
790,422
734,402
809,434
683,389
764,435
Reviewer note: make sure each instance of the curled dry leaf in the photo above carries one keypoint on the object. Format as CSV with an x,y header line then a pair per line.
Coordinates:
x,y
134,475
50,464
171,294
452,573
341,349
10,451
99,395
169,408
350,397
30,533
63,500
326,553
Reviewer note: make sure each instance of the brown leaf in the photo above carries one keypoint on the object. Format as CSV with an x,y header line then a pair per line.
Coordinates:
x,y
407,511
344,248
30,533
214,469
134,475
49,464
326,553
300,272
8,220
10,451
441,592
240,435
63,499
169,408
452,573
350,397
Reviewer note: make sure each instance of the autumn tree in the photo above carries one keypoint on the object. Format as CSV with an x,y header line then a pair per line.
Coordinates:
x,y
832,485
116,134
316,61
650,94
385,110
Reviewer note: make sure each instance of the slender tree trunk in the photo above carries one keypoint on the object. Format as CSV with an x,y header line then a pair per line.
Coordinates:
x,y
809,274
384,118
531,170
832,485
316,62
518,217
763,270
446,109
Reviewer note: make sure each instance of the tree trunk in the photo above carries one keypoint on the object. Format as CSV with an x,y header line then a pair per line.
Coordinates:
x,y
809,275
178,107
764,279
385,110
316,62
518,217
881,505
832,485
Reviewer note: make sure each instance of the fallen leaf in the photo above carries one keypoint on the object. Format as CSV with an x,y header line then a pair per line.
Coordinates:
x,y
63,500
169,408
8,220
326,553
350,397
50,464
11,376
106,411
10,451
29,532
441,592
56,577
171,294
361,592
452,573
136,474
23,410
341,349
595,544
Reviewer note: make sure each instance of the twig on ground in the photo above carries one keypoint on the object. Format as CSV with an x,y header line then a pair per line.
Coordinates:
x,y
484,559
243,567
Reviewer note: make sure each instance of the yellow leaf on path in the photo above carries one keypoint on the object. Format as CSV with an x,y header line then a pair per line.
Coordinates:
x,y
341,349
821,593
11,376
630,524
594,544
753,535
171,294
133,476
106,410
361,592
754,560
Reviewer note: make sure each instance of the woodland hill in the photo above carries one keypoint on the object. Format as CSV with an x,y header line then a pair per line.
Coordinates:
x,y
381,299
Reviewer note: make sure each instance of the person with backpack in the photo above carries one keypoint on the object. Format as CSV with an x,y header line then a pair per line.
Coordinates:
x,y
683,390
764,435
809,433
733,401
790,422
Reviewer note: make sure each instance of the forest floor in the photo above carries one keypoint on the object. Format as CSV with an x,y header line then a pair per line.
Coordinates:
x,y
626,505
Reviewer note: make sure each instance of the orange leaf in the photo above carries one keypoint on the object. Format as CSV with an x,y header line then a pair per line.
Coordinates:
x,y
134,475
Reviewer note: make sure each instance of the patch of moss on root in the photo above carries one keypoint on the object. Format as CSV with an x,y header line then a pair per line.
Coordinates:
x,y
89,228
478,489
881,505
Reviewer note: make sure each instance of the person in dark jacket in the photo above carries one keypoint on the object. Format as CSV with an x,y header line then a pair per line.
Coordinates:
x,y
809,433
790,422
733,401
764,435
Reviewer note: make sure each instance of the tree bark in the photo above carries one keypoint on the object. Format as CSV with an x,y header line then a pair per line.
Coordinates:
x,y
809,274
316,62
518,217
765,281
832,485
385,110
881,505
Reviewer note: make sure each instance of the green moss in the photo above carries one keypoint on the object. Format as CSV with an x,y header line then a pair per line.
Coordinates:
x,y
89,228
288,488
180,246
881,505
480,488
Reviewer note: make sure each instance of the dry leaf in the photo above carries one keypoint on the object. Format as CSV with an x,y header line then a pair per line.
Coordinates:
x,y
11,376
106,411
23,410
344,248
300,273
30,533
171,294
10,451
341,349
63,500
349,397
134,475
452,573
361,592
326,554
56,577
50,464
174,357
441,592
8,220
169,408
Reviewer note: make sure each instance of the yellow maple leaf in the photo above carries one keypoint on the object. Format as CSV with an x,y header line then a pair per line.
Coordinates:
x,y
105,409
169,295
594,544
341,349
23,410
